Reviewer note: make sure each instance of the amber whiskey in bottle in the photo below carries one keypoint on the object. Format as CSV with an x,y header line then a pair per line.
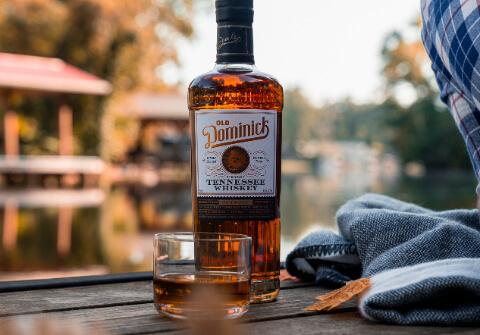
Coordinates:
x,y
236,131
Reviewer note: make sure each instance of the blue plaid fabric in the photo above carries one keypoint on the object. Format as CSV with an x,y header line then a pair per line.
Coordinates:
x,y
451,36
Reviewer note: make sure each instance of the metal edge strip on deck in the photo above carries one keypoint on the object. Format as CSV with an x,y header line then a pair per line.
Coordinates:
x,y
41,284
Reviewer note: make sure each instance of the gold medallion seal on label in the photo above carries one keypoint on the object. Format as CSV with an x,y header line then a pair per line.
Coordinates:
x,y
235,159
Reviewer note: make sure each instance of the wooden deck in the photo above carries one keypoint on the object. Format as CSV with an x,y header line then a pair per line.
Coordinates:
x,y
123,304
32,198
51,171
51,164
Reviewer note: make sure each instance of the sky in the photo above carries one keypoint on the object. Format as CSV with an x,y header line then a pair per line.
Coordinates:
x,y
328,49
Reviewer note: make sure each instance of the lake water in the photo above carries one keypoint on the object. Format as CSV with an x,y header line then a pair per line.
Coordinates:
x,y
87,232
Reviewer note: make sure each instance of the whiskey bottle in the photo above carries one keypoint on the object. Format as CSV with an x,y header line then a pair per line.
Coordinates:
x,y
236,131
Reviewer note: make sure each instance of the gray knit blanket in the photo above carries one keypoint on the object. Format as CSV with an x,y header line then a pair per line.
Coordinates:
x,y
425,265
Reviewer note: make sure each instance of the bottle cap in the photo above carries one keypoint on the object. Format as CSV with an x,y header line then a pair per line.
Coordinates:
x,y
234,11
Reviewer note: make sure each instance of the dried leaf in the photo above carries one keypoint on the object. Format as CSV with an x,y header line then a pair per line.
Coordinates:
x,y
343,294
284,275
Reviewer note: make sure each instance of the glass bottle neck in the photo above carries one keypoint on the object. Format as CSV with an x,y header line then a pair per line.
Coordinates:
x,y
234,67
235,44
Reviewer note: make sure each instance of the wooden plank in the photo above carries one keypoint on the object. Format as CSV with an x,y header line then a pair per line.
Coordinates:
x,y
128,308
142,319
97,296
293,284
122,319
338,323
100,296
115,294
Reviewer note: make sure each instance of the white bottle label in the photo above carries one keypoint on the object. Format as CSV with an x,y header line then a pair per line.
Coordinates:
x,y
236,153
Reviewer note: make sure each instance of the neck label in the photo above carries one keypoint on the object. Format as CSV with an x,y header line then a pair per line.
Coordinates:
x,y
234,41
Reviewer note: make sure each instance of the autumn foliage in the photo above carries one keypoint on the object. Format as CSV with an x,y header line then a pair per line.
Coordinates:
x,y
121,41
335,298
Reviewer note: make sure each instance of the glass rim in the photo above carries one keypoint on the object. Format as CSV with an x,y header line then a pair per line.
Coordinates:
x,y
190,236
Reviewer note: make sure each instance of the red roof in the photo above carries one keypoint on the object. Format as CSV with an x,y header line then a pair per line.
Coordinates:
x,y
48,75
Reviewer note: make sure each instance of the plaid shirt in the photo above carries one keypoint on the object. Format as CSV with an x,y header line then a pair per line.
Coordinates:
x,y
451,36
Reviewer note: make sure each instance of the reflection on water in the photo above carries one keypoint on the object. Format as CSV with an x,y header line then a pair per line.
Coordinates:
x,y
310,202
83,232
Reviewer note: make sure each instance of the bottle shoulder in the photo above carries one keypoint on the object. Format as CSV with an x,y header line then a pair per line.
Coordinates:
x,y
218,77
235,88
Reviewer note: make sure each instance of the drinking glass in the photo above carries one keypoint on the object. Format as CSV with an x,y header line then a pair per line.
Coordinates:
x,y
202,275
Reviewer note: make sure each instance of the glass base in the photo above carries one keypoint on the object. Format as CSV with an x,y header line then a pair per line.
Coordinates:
x,y
264,291
183,313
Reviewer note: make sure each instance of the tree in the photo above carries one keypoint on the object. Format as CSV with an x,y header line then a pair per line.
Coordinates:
x,y
411,121
299,121
121,41
420,128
